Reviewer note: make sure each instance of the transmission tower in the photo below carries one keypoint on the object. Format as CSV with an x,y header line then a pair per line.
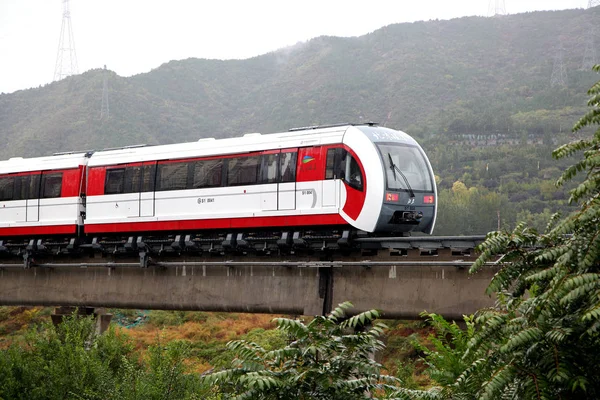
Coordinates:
x,y
496,8
589,54
104,110
593,3
66,59
559,71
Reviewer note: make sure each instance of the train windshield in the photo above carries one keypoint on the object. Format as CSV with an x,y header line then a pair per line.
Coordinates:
x,y
406,168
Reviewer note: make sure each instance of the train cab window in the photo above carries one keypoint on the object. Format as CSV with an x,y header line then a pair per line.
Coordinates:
x,y
51,185
355,178
114,181
7,185
207,174
287,163
269,168
336,164
172,176
243,171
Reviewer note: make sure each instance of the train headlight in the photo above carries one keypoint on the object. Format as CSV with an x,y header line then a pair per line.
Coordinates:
x,y
428,199
391,197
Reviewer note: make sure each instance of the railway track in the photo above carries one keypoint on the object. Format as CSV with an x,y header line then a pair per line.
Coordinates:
x,y
293,250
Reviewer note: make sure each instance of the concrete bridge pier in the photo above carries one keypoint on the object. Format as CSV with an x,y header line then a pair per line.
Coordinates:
x,y
101,317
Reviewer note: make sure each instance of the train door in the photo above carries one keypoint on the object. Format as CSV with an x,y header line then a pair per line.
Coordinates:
x,y
334,174
279,176
147,189
269,170
33,197
286,190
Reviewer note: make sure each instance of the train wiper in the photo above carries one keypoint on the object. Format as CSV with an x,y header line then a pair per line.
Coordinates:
x,y
395,169
392,166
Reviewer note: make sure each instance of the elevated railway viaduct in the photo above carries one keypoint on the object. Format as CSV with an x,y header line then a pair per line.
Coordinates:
x,y
402,277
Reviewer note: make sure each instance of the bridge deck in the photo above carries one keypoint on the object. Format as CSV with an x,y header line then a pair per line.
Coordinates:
x,y
401,280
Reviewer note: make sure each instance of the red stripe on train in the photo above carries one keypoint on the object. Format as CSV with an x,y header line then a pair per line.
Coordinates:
x,y
38,230
222,223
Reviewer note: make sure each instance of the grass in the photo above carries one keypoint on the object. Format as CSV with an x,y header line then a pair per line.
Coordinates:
x,y
209,332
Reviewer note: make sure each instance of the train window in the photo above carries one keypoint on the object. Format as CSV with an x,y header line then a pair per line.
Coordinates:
x,y
355,178
207,174
51,185
288,166
18,192
243,171
336,164
330,163
132,180
269,168
22,187
148,177
114,181
34,187
172,176
7,185
406,168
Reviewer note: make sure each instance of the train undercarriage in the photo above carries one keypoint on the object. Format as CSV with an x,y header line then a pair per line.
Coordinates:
x,y
336,243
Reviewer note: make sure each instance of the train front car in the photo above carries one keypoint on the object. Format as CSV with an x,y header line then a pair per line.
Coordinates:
x,y
401,195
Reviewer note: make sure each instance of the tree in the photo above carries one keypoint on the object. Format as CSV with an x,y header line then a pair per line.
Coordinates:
x,y
72,361
328,358
542,339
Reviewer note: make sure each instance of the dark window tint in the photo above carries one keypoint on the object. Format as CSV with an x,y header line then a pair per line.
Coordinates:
x,y
7,185
51,185
243,171
336,164
207,174
133,178
288,167
172,176
34,187
269,168
148,178
22,187
355,178
114,181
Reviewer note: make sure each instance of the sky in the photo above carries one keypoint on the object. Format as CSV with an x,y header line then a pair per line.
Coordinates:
x,y
136,36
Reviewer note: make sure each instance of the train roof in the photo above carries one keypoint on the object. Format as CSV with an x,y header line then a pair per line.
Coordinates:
x,y
250,142
61,161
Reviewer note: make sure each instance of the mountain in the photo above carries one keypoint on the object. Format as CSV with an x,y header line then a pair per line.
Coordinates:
x,y
462,76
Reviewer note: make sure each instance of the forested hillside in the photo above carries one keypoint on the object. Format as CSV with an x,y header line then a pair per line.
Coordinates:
x,y
475,91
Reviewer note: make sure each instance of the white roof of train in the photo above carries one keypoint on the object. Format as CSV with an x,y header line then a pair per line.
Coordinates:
x,y
63,161
250,142
204,147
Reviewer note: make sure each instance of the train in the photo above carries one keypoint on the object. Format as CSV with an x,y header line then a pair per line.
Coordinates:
x,y
338,178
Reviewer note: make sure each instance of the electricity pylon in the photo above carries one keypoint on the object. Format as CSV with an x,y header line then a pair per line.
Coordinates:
x,y
559,71
496,8
66,59
104,110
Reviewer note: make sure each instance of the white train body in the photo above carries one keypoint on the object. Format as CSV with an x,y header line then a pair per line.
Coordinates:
x,y
342,176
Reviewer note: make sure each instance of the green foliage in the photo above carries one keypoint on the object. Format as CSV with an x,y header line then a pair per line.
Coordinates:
x,y
326,358
71,361
541,341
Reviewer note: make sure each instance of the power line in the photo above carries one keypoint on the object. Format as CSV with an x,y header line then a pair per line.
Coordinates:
x,y
66,59
593,3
